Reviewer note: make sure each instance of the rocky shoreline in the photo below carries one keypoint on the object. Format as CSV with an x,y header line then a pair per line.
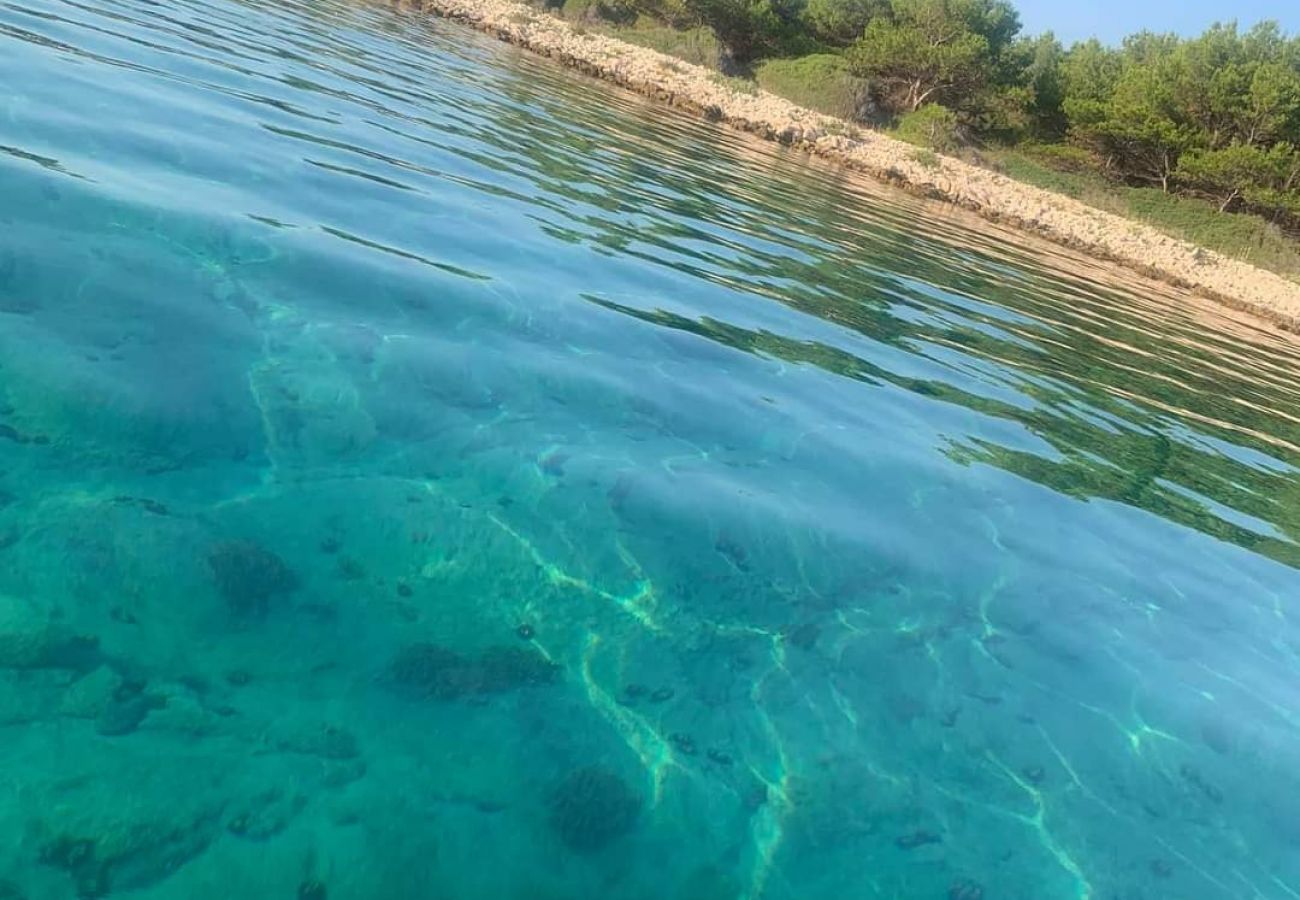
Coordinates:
x,y
996,197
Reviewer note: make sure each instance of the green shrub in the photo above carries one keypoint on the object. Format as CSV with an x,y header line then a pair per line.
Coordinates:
x,y
932,126
1260,177
699,46
838,22
595,12
581,10
1037,168
1062,157
734,84
1244,237
927,158
821,82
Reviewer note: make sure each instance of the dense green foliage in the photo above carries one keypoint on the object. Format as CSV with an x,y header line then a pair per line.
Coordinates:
x,y
933,126
935,51
1059,168
1216,117
693,45
820,81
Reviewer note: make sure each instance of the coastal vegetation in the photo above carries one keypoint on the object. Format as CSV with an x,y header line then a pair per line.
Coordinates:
x,y
1197,136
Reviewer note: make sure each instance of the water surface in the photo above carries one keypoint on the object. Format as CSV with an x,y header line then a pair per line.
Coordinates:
x,y
427,472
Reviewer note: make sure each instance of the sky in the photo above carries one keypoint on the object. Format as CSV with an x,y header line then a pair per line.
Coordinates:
x,y
1111,20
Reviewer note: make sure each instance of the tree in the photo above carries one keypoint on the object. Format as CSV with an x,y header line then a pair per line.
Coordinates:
x,y
1242,172
1089,73
935,51
1035,64
1236,88
841,22
748,28
1208,78
1271,108
1140,130
931,126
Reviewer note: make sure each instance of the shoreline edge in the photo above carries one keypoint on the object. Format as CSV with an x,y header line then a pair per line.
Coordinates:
x,y
993,196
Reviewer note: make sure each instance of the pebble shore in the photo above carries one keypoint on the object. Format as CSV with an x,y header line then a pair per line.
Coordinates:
x,y
1060,219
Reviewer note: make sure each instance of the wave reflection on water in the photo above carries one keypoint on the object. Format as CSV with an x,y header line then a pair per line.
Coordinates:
x,y
422,467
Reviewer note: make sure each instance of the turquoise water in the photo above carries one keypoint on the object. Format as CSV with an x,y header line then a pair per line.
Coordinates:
x,y
425,472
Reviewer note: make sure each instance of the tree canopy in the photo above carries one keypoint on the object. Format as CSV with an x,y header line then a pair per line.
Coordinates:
x,y
934,51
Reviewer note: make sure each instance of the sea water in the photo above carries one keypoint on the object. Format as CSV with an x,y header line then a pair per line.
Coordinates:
x,y
428,473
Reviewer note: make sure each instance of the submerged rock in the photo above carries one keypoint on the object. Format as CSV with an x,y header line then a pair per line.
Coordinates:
x,y
965,889
437,672
328,742
662,695
916,839
127,855
803,636
29,640
265,815
78,857
350,570
249,576
90,695
125,713
591,807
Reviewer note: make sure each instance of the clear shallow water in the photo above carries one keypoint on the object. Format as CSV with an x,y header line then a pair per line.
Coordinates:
x,y
425,472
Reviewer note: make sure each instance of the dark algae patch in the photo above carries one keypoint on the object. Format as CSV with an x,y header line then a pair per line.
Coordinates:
x,y
248,576
436,672
591,808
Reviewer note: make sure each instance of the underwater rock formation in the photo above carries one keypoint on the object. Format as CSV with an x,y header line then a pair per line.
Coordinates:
x,y
150,506
591,807
78,857
328,742
127,709
29,640
265,815
433,671
916,839
248,576
125,856
965,889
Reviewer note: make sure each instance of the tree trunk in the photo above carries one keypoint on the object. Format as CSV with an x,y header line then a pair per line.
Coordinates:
x,y
1223,207
914,96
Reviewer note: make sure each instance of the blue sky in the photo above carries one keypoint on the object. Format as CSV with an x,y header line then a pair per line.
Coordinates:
x,y
1110,20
